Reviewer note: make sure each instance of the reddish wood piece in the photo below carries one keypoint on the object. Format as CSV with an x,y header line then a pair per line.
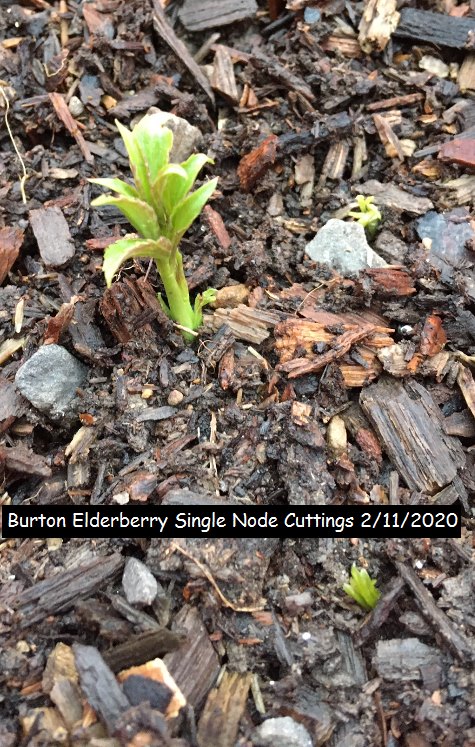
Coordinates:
x,y
11,239
59,323
216,224
255,164
433,337
392,281
460,151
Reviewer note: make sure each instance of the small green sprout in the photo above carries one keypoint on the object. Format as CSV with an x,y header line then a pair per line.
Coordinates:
x,y
362,588
367,214
161,207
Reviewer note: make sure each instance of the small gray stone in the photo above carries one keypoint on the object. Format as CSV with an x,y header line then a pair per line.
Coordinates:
x,y
281,732
75,106
140,586
49,379
186,137
343,246
52,235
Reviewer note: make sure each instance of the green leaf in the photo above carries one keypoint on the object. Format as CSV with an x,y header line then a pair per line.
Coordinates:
x,y
168,187
140,215
116,185
137,163
178,179
188,210
155,143
116,254
193,166
362,588
202,300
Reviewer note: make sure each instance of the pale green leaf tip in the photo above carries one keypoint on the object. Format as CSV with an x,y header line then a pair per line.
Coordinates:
x,y
362,588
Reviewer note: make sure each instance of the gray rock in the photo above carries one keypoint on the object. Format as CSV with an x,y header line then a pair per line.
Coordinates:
x,y
140,586
49,379
186,137
449,236
52,235
343,246
281,732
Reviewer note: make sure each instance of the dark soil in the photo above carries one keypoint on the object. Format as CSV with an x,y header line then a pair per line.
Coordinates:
x,y
220,417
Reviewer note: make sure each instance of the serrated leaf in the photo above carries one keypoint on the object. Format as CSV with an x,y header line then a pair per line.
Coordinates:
x,y
116,185
116,254
137,163
140,215
155,143
188,210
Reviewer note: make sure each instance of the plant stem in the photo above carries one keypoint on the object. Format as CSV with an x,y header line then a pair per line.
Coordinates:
x,y
176,289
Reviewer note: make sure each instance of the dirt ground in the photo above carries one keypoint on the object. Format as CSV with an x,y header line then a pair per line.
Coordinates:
x,y
308,385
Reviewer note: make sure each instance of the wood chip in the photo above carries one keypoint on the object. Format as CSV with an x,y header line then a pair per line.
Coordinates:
x,y
62,111
410,427
213,350
462,191
131,305
52,234
436,28
396,101
224,708
142,647
460,150
11,239
459,644
100,687
99,24
466,74
390,282
24,461
433,337
12,404
388,137
223,79
213,13
272,67
467,387
251,325
343,45
379,20
9,347
460,424
195,666
253,166
295,333
62,590
59,323
165,31
335,162
216,224
392,196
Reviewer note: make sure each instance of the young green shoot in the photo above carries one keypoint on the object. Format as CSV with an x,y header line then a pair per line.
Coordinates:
x,y
161,206
367,214
362,588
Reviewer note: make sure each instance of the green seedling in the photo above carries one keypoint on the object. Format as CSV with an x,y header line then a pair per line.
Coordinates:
x,y
362,588
367,214
161,207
